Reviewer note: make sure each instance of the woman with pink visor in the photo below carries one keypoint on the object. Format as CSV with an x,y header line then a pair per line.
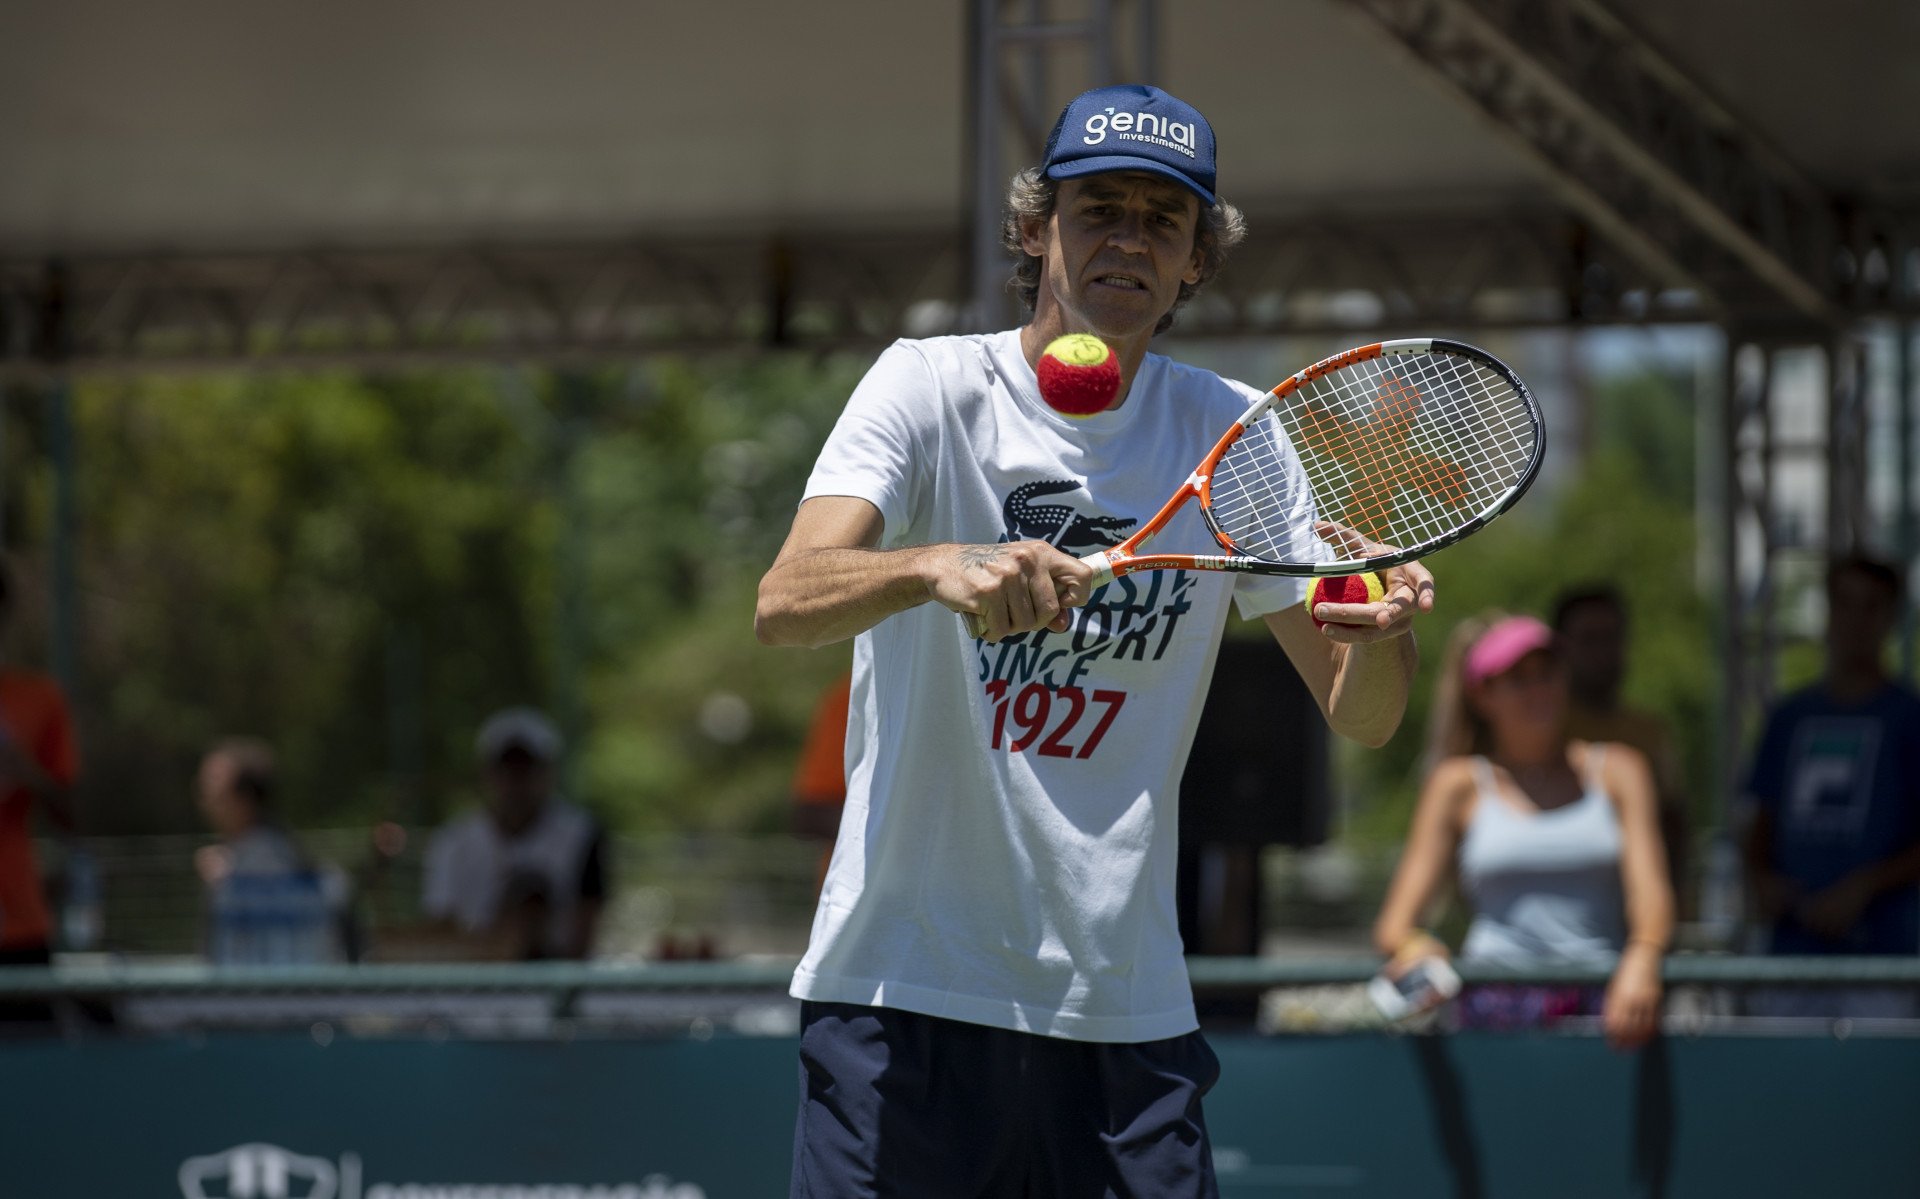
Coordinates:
x,y
1555,843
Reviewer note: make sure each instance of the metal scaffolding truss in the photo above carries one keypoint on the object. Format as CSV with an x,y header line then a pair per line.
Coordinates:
x,y
1655,162
621,299
1315,272
1676,212
548,299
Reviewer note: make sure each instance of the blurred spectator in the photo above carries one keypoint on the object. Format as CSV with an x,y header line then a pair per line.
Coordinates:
x,y
39,762
527,877
268,904
1556,843
820,776
1833,846
1590,625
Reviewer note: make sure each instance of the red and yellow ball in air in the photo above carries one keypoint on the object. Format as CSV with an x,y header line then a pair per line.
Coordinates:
x,y
1079,375
1362,588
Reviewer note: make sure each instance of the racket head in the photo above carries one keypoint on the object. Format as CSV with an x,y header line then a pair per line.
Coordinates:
x,y
1402,447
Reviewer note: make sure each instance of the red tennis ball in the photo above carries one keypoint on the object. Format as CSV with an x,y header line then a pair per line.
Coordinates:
x,y
1342,589
1079,375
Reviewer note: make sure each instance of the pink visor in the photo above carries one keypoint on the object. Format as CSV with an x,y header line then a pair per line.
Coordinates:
x,y
1503,645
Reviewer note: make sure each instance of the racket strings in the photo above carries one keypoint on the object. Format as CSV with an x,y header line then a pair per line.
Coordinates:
x,y
1257,497
1403,448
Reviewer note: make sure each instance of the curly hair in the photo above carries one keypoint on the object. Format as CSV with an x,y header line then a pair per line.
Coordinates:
x,y
1031,196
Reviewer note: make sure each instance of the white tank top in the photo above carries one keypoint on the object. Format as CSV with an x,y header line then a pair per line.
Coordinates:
x,y
1544,885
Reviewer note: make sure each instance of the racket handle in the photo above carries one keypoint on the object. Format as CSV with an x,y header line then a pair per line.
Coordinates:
x,y
1102,575
1102,567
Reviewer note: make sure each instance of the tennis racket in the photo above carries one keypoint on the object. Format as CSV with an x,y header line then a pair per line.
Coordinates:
x,y
1403,448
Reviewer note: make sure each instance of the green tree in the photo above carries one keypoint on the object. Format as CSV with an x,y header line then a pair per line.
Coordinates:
x,y
359,567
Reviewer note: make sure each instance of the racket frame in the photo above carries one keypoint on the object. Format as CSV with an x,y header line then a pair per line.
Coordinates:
x,y
1123,559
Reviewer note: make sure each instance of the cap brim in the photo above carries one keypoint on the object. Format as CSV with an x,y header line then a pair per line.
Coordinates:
x,y
1078,167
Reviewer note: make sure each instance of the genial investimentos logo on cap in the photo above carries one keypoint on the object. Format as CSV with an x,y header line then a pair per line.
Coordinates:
x,y
262,1171
1142,127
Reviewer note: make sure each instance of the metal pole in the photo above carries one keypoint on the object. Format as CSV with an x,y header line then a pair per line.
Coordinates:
x,y
1758,685
6,394
1146,55
1105,61
1846,446
63,629
406,722
1033,105
1017,99
1733,605
1908,537
989,304
576,390
55,348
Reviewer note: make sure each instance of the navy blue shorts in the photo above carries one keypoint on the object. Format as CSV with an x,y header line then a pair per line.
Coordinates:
x,y
897,1105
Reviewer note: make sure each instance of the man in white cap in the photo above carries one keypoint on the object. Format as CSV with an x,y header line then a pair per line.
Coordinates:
x,y
528,874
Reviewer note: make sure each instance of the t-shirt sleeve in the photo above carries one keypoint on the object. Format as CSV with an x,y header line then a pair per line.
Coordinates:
x,y
873,451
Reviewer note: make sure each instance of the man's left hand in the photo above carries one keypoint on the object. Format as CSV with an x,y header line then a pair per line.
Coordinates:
x,y
1407,589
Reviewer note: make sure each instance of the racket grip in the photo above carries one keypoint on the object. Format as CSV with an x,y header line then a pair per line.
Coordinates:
x,y
1102,567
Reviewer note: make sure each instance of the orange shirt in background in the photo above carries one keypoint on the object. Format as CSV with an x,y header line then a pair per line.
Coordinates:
x,y
820,776
33,715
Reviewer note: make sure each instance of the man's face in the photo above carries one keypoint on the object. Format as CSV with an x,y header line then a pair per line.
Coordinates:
x,y
1861,614
517,786
1594,639
1116,251
228,812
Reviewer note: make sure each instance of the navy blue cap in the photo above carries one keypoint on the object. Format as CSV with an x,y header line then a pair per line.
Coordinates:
x,y
1133,127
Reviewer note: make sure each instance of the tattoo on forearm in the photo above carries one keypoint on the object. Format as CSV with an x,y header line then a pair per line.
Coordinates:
x,y
981,555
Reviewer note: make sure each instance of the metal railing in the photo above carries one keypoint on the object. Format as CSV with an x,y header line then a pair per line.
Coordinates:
x,y
1706,994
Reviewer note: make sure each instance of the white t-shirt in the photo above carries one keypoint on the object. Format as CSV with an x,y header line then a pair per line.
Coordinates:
x,y
1006,856
471,867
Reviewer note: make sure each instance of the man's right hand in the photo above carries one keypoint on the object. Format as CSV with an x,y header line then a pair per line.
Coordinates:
x,y
1010,587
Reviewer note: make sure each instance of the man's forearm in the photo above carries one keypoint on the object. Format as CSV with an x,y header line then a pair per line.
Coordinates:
x,y
1369,694
821,596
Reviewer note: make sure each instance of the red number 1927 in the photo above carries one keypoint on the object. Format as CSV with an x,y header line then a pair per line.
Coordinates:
x,y
1033,708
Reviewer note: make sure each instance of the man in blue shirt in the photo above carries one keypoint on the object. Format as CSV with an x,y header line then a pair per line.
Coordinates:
x,y
1833,853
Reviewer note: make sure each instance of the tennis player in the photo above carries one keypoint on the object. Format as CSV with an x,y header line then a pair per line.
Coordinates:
x,y
994,997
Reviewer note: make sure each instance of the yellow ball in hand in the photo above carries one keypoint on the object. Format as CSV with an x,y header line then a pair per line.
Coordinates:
x,y
1363,588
